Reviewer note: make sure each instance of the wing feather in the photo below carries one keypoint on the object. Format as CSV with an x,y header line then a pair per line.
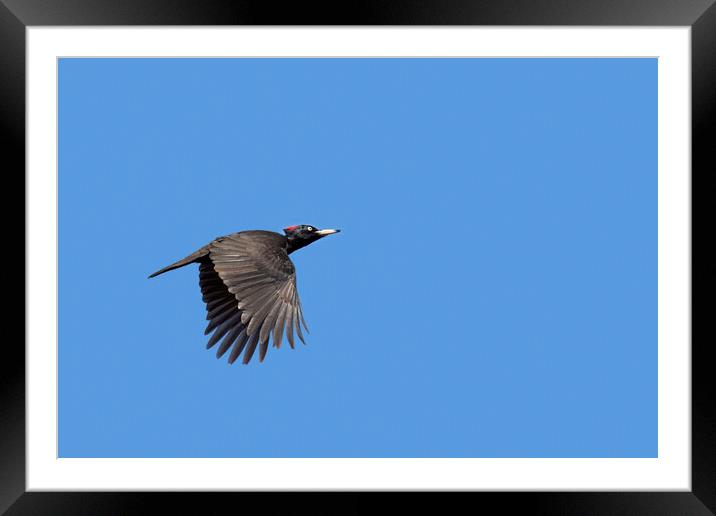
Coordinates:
x,y
289,326
250,348
228,339
238,347
224,328
279,325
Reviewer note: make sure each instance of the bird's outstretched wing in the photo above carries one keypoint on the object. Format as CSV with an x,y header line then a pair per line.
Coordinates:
x,y
248,284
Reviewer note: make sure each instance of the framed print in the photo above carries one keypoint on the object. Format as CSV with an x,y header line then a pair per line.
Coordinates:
x,y
503,303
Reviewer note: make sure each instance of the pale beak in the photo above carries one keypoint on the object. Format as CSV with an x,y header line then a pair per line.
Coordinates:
x,y
324,232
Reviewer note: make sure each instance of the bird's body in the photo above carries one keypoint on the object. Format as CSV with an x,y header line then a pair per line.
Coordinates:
x,y
248,283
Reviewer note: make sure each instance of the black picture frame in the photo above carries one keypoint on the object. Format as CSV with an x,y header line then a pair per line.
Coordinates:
x,y
16,15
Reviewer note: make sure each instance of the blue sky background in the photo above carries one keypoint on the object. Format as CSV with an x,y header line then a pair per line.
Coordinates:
x,y
493,292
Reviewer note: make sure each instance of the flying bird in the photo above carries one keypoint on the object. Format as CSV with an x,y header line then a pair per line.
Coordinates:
x,y
248,283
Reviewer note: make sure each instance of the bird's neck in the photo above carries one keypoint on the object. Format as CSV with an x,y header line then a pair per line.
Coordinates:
x,y
294,244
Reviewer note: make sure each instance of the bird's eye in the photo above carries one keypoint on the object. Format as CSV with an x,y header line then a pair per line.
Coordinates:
x,y
311,228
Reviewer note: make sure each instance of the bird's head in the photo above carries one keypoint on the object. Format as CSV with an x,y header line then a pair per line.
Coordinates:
x,y
304,234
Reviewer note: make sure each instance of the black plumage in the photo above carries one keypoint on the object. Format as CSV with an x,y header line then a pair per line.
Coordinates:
x,y
248,283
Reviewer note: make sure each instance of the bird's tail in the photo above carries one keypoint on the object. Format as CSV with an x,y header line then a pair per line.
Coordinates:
x,y
192,258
